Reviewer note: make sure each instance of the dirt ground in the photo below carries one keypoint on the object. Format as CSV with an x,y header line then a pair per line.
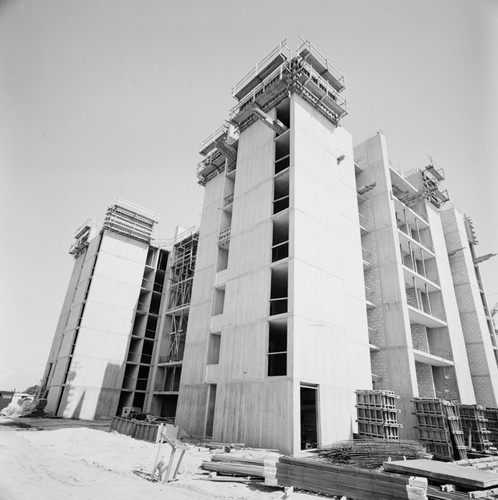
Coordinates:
x,y
48,459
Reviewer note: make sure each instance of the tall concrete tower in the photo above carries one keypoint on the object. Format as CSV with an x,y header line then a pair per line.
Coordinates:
x,y
103,345
417,341
277,338
475,315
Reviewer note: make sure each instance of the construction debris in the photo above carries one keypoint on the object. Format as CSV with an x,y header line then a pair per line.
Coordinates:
x,y
484,463
167,470
246,463
25,406
371,453
442,472
325,478
212,445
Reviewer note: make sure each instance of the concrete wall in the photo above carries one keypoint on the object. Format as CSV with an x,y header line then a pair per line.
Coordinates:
x,y
240,373
94,380
452,336
193,397
478,343
57,363
329,338
326,321
392,331
245,396
394,363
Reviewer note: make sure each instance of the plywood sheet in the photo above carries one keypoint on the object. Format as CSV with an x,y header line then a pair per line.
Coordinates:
x,y
445,472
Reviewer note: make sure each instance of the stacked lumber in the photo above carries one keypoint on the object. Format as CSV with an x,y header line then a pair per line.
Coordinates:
x,y
485,463
254,463
439,428
474,427
214,445
377,415
371,453
325,478
466,478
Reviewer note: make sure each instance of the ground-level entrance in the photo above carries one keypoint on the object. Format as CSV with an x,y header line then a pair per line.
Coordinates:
x,y
309,414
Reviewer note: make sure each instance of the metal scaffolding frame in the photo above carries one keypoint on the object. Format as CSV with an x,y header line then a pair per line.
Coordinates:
x,y
180,277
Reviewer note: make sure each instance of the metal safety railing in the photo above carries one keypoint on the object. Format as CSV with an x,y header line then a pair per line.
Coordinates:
x,y
321,59
325,86
281,49
212,137
276,75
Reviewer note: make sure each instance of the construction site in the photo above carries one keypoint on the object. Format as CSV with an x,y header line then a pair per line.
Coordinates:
x,y
328,311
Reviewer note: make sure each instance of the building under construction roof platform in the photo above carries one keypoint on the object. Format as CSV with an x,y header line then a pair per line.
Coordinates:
x,y
208,144
431,184
262,70
324,96
82,237
130,220
321,65
210,166
308,74
435,170
221,149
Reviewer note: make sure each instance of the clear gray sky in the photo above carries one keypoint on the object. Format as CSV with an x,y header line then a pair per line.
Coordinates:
x,y
106,98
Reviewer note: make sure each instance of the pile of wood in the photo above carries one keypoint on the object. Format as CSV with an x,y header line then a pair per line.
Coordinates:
x,y
461,482
371,453
484,463
245,463
340,480
405,479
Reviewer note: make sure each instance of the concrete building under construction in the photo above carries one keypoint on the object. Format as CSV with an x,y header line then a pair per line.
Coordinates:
x,y
121,334
318,270
103,344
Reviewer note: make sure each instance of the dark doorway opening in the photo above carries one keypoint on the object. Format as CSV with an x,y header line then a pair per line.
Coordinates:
x,y
309,434
168,408
210,411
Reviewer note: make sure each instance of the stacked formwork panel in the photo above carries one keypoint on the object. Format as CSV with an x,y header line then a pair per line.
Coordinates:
x,y
491,414
474,427
439,428
377,414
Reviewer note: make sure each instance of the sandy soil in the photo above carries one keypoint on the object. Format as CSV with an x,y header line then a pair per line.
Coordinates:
x,y
56,459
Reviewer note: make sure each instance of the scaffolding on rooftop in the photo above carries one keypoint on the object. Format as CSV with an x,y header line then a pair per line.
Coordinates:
x,y
130,220
435,170
313,56
275,58
308,74
82,237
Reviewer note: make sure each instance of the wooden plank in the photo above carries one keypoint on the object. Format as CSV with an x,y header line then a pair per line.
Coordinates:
x,y
287,463
337,480
483,493
434,493
445,472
